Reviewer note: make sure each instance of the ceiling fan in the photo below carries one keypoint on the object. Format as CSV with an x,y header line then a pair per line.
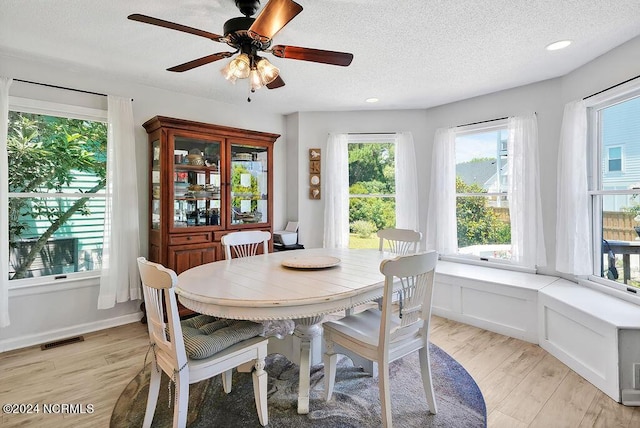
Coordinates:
x,y
249,37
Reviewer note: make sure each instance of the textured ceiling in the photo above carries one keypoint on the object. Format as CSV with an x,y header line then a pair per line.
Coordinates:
x,y
407,53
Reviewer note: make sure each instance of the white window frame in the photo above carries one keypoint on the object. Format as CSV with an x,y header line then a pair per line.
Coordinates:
x,y
596,192
493,126
69,111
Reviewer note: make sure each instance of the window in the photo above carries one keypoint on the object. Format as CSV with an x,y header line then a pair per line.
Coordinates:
x,y
57,173
614,131
371,188
615,159
482,208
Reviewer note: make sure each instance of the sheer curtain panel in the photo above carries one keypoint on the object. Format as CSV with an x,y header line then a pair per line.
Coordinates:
x,y
524,193
441,211
120,280
573,242
406,183
336,192
5,83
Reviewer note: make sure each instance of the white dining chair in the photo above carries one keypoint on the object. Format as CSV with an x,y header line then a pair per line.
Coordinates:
x,y
385,336
171,356
245,243
399,241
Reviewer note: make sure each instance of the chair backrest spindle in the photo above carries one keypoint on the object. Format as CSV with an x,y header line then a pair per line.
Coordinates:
x,y
245,243
399,241
415,274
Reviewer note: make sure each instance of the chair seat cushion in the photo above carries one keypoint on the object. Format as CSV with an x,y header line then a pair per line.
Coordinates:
x,y
205,336
365,327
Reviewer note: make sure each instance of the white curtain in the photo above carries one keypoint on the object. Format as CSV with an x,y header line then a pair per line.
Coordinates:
x,y
120,280
441,211
5,83
336,192
406,183
573,242
525,209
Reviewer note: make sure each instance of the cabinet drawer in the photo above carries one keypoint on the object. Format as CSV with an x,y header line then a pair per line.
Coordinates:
x,y
217,236
191,238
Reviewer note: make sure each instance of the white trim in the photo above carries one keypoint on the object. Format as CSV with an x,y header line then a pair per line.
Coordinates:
x,y
612,96
47,284
479,128
63,333
27,105
610,288
491,263
99,194
372,138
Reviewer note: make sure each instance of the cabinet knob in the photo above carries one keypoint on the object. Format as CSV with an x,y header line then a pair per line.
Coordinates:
x,y
188,238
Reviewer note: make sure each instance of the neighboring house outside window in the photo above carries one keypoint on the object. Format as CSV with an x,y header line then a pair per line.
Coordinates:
x,y
615,159
372,199
482,208
57,170
615,188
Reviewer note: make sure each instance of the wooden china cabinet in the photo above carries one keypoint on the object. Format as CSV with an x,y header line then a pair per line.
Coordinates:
x,y
205,181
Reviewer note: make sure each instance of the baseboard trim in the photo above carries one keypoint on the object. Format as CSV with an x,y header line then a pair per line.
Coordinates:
x,y
52,335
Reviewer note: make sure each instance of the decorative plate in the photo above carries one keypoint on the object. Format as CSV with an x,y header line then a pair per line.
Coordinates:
x,y
311,262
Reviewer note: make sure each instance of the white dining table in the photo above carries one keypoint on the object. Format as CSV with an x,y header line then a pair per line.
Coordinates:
x,y
261,288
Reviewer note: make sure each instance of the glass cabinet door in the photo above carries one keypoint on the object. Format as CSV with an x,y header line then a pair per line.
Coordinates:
x,y
196,182
155,186
249,184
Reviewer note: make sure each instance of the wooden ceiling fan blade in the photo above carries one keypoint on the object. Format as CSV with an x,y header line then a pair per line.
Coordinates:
x,y
173,26
273,17
314,55
200,61
277,83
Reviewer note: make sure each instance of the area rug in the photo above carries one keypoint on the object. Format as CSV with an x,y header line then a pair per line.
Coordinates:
x,y
355,401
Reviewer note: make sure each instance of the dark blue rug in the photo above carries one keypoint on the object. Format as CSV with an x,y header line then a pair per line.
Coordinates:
x,y
355,401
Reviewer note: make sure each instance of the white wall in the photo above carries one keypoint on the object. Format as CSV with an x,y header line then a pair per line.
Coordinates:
x,y
38,316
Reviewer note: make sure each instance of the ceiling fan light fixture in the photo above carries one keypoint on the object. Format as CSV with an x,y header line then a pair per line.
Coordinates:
x,y
240,66
228,73
255,82
267,71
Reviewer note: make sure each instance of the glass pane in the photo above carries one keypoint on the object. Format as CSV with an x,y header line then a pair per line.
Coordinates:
x,y
366,217
619,129
621,238
484,228
156,189
481,161
371,172
372,169
196,182
620,134
249,184
50,154
75,246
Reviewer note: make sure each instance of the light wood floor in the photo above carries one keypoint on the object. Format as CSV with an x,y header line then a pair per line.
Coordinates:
x,y
523,385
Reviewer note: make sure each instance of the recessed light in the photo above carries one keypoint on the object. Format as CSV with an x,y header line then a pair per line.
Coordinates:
x,y
558,45
371,100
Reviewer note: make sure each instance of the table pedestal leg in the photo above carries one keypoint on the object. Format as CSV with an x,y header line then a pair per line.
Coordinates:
x,y
306,330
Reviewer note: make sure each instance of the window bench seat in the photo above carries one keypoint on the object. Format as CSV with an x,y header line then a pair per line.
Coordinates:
x,y
595,334
498,300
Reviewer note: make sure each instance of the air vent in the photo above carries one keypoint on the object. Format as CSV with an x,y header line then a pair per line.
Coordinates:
x,y
62,342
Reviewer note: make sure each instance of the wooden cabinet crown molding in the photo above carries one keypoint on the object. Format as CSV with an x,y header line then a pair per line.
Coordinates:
x,y
158,122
